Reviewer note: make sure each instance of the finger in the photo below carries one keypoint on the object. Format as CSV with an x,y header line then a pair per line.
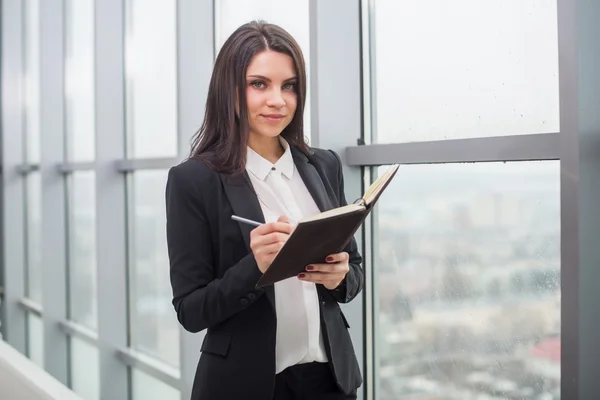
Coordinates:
x,y
338,257
286,220
269,227
319,277
274,237
323,268
328,268
269,249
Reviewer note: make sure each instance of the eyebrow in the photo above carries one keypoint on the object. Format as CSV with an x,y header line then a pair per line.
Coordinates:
x,y
269,80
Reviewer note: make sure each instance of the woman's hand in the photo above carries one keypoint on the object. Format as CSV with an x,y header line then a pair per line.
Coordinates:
x,y
330,275
267,239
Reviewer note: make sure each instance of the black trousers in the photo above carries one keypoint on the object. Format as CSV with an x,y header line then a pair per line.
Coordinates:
x,y
313,381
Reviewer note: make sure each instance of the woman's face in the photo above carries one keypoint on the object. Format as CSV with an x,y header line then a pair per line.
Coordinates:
x,y
270,93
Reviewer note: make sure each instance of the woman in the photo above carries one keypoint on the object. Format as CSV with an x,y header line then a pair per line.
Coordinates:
x,y
290,340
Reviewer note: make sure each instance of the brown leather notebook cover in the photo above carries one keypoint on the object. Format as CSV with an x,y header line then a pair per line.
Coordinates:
x,y
326,233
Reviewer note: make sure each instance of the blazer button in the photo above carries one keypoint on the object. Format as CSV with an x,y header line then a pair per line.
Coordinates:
x,y
251,296
244,301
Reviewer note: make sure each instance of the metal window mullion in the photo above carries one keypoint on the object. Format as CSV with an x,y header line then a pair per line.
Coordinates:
x,y
110,197
153,367
313,90
70,167
26,168
579,63
54,276
335,61
369,135
195,30
135,164
542,146
78,331
31,307
370,250
369,73
13,210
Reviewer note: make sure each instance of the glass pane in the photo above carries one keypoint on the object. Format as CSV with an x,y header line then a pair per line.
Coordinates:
x,y
34,236
151,74
147,387
465,68
2,316
154,323
79,79
82,248
31,79
290,15
468,282
35,339
84,369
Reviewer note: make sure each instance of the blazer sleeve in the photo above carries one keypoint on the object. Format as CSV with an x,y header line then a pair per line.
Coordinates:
x,y
199,298
354,281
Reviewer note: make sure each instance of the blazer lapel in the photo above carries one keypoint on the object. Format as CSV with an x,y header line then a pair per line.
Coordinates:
x,y
312,180
244,203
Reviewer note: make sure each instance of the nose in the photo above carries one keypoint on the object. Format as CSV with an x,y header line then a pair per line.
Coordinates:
x,y
275,99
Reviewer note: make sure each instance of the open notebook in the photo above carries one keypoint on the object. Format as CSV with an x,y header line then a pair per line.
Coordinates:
x,y
325,233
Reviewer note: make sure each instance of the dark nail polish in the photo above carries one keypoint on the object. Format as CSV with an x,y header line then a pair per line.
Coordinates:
x,y
301,276
310,268
329,259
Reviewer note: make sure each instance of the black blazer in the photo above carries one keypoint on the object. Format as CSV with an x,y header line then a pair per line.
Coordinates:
x,y
213,276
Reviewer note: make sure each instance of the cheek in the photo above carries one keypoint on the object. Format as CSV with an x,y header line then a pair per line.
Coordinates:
x,y
253,101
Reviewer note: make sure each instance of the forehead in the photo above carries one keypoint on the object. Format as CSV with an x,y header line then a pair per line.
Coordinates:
x,y
272,65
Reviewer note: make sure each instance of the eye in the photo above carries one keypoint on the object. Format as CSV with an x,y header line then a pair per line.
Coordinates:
x,y
290,86
258,84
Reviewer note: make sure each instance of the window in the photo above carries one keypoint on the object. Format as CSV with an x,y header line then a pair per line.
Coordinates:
x,y
79,80
2,320
151,78
82,248
31,79
290,15
147,387
154,325
466,68
33,217
31,88
84,369
467,272
35,339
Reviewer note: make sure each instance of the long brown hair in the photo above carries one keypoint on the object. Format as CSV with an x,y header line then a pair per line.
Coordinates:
x,y
222,139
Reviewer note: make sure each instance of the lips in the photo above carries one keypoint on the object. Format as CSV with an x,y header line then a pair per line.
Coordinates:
x,y
273,117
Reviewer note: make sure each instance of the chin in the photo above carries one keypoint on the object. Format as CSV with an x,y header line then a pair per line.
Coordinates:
x,y
271,133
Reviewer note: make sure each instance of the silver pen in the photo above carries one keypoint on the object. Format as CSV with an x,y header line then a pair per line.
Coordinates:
x,y
246,221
